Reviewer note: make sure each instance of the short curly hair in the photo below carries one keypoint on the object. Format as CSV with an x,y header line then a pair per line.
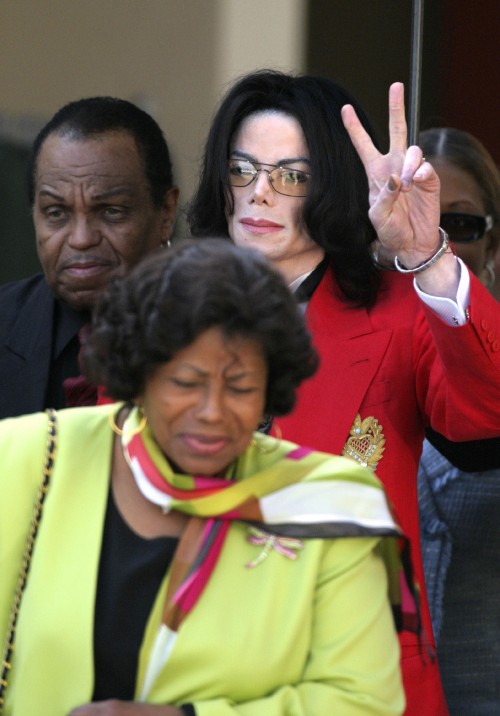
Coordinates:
x,y
175,295
92,117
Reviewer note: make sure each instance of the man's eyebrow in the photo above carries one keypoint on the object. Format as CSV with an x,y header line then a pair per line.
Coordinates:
x,y
51,194
288,160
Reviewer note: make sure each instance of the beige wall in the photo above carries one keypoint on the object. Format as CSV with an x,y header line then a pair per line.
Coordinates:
x,y
173,57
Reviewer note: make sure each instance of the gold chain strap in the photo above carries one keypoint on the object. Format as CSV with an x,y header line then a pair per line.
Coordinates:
x,y
28,552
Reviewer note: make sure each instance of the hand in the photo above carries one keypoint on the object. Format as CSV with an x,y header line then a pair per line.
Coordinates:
x,y
114,707
403,190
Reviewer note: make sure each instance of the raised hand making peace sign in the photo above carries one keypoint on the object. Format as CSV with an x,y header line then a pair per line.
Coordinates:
x,y
404,198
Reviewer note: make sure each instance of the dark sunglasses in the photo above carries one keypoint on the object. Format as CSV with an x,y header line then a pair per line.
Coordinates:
x,y
465,228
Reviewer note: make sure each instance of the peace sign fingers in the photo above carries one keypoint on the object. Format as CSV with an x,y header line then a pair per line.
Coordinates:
x,y
362,141
398,131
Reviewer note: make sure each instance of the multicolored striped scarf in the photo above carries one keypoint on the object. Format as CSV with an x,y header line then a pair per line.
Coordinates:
x,y
282,489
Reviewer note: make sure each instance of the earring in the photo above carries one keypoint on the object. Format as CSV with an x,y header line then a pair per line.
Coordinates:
x,y
278,434
166,243
260,448
254,442
120,432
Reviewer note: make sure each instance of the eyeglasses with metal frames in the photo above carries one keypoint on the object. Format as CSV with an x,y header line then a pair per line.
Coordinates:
x,y
284,180
465,228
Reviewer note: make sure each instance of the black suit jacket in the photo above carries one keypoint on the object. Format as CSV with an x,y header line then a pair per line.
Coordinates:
x,y
28,321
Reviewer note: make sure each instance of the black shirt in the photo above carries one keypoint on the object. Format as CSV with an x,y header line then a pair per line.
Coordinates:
x,y
65,349
131,570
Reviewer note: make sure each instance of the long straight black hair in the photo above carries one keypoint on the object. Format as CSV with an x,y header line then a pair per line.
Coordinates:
x,y
336,210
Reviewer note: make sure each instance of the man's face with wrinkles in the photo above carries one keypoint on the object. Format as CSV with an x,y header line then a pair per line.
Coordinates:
x,y
93,213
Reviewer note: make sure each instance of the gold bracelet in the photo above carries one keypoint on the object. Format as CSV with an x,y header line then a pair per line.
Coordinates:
x,y
430,262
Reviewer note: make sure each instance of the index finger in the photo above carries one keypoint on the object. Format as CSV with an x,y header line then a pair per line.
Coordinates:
x,y
358,134
398,132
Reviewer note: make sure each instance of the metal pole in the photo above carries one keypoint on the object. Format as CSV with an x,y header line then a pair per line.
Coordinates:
x,y
415,70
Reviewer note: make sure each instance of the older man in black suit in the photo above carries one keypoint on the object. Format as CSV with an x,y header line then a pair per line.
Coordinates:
x,y
102,194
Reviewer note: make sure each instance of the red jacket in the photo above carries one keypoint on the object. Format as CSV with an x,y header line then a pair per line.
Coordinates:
x,y
400,364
